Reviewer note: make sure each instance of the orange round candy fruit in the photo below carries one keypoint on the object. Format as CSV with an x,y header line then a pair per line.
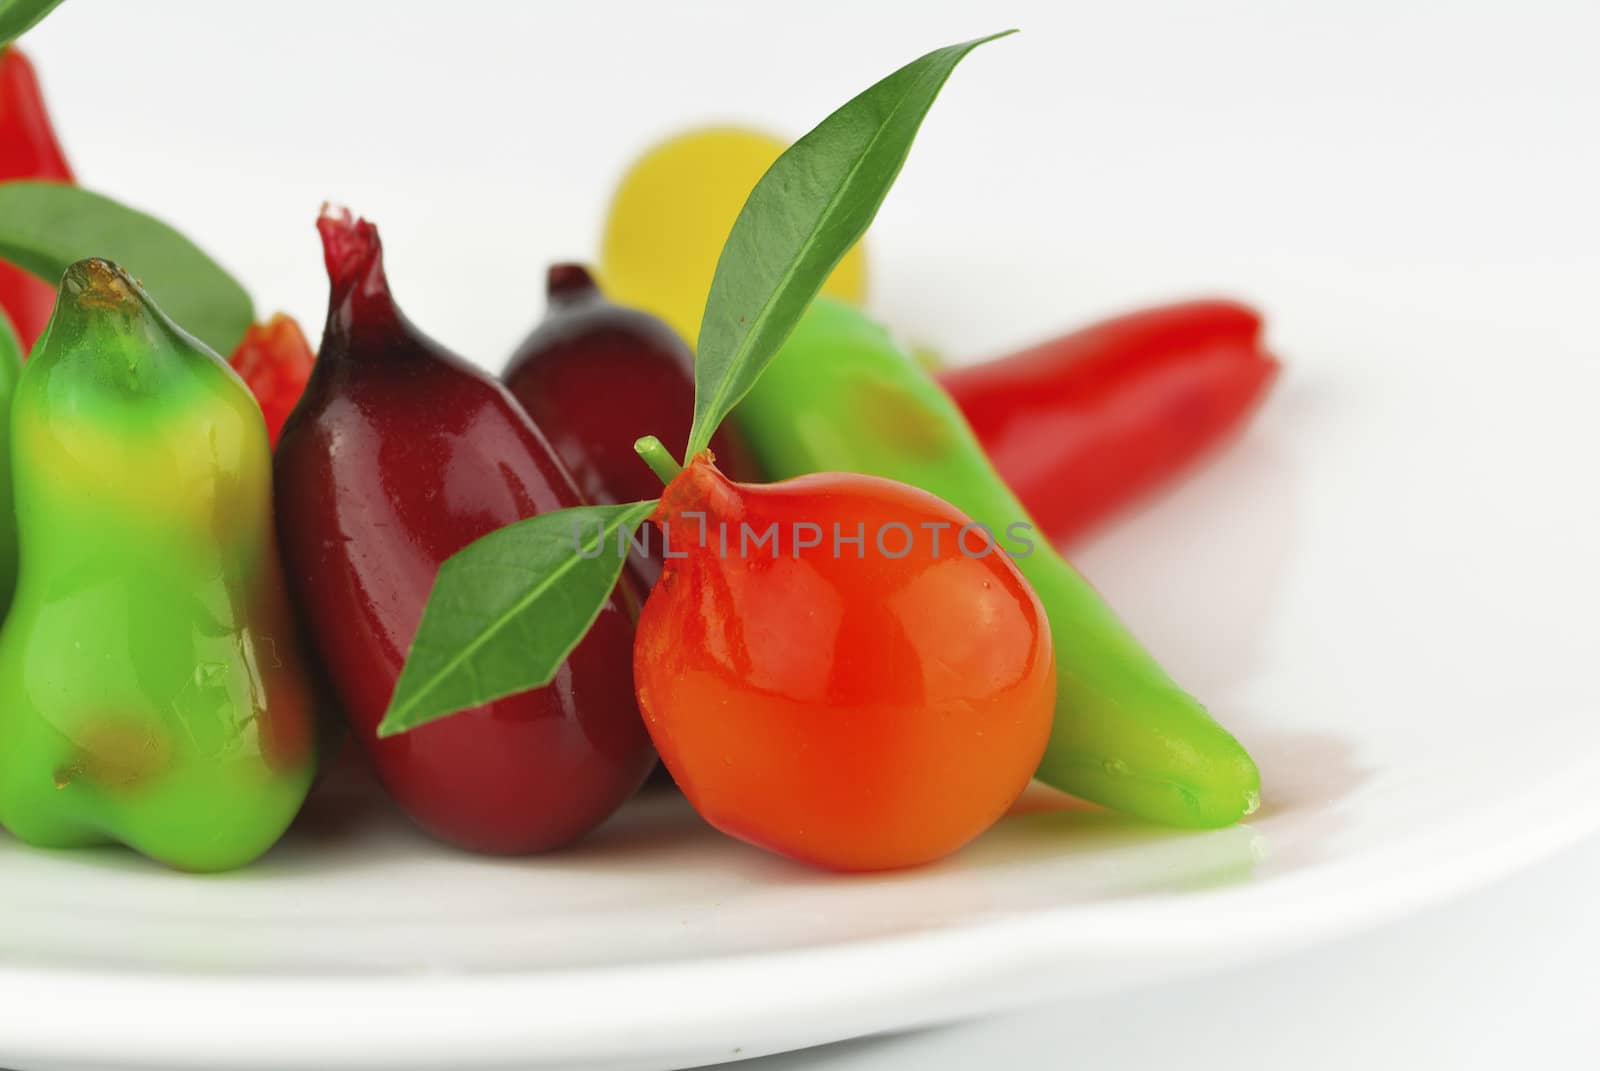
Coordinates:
x,y
855,705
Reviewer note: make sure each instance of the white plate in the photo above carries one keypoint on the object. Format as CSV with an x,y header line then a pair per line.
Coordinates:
x,y
1387,587
1389,604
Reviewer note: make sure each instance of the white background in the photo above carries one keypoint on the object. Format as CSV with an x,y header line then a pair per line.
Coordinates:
x,y
1439,154
1150,149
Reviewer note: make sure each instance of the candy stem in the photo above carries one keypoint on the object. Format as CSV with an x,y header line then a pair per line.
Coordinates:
x,y
658,457
569,282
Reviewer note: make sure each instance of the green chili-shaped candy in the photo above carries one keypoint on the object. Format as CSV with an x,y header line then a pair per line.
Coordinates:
x,y
151,685
842,396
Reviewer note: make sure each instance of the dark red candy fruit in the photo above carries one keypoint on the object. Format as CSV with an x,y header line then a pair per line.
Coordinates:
x,y
398,455
595,376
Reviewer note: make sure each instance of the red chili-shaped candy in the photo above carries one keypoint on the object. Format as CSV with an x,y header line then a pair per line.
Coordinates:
x,y
1085,424
274,360
28,150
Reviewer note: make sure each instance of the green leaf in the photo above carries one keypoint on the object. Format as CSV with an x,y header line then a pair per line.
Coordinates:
x,y
506,611
17,17
47,226
810,207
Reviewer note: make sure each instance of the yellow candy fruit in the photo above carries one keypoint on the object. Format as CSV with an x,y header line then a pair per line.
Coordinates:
x,y
671,214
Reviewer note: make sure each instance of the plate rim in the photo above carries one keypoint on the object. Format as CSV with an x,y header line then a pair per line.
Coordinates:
x,y
829,992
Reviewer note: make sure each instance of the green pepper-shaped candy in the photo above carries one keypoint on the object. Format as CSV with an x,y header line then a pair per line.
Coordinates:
x,y
10,369
842,396
151,684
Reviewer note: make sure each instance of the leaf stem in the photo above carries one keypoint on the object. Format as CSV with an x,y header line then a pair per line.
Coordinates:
x,y
658,457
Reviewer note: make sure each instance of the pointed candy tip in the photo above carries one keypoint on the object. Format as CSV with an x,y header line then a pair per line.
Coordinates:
x,y
349,244
99,284
272,346
280,327
108,329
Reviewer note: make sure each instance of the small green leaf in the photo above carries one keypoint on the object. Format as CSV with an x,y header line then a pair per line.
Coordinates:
x,y
810,207
506,611
17,17
47,226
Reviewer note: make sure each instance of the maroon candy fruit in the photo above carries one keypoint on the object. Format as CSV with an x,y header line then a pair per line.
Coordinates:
x,y
595,376
398,455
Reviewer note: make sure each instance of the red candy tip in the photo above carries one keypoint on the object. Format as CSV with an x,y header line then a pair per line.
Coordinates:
x,y
350,245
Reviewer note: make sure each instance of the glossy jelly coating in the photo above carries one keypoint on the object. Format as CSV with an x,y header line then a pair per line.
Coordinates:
x,y
855,706
151,682
398,455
